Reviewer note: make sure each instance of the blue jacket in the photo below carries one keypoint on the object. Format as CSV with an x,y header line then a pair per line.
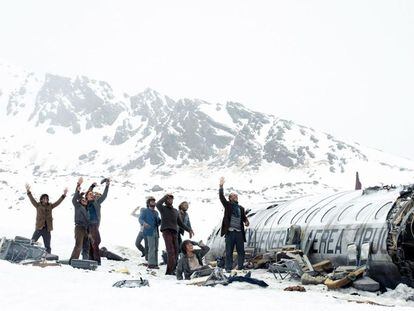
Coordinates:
x,y
150,217
95,211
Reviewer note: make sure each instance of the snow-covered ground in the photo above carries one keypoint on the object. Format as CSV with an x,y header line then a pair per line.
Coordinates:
x,y
65,288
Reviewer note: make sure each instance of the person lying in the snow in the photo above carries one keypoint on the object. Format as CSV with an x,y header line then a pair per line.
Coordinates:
x,y
191,260
44,219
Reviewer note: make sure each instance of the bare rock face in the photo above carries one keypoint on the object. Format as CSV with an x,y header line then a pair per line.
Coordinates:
x,y
156,188
65,102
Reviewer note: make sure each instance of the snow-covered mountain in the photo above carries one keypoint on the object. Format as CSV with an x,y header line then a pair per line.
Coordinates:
x,y
115,133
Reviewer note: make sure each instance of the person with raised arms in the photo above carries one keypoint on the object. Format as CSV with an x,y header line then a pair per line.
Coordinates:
x,y
44,219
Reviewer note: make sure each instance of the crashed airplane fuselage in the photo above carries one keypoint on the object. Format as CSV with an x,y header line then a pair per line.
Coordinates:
x,y
375,224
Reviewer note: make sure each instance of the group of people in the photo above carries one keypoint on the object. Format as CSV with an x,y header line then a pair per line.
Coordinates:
x,y
87,206
157,216
172,224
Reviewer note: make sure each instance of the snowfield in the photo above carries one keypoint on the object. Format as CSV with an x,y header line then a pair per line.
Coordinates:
x,y
65,288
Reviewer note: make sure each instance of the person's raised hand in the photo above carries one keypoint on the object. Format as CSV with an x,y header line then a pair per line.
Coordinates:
x,y
221,181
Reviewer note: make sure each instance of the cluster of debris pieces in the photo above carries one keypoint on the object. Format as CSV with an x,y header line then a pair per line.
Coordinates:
x,y
24,251
291,262
218,277
286,262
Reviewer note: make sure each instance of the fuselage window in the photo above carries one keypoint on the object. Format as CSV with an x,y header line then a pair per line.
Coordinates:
x,y
295,218
325,216
383,210
344,212
363,212
283,216
270,217
314,212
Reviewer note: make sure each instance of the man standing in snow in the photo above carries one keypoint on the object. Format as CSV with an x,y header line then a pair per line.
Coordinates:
x,y
44,219
183,214
232,227
81,221
150,222
169,227
94,211
141,237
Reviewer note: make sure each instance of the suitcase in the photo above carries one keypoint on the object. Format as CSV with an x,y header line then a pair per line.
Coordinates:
x,y
84,264
51,257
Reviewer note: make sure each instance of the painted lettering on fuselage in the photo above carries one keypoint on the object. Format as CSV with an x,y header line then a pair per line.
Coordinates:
x,y
323,241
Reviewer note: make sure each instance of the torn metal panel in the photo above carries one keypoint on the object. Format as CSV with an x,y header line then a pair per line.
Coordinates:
x,y
20,249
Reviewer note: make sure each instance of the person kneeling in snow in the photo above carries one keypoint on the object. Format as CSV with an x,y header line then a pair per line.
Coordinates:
x,y
191,260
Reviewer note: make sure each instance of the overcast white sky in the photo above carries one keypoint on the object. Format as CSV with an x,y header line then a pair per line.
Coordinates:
x,y
344,67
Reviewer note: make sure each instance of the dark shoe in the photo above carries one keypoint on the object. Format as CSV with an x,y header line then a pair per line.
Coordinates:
x,y
153,267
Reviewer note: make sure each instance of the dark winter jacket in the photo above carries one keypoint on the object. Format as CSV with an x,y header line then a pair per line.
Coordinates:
x,y
185,219
149,217
97,205
81,213
183,265
169,216
44,212
225,225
